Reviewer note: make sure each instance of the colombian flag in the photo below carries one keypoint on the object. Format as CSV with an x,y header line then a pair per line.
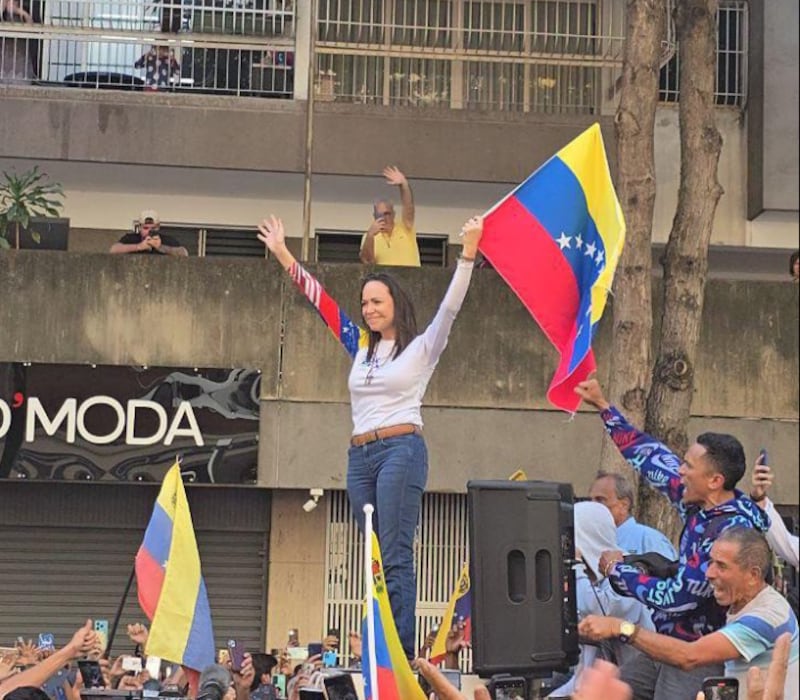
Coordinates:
x,y
171,588
394,675
556,240
459,612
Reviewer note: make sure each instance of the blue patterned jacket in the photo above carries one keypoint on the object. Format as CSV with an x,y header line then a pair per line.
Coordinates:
x,y
684,605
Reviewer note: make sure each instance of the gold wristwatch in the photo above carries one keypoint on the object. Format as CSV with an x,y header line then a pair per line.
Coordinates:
x,y
627,631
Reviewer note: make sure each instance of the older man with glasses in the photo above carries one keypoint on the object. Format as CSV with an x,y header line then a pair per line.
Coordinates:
x,y
389,241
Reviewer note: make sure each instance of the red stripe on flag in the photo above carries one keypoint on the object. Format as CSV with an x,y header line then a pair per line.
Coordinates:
x,y
329,311
149,580
562,389
515,242
387,685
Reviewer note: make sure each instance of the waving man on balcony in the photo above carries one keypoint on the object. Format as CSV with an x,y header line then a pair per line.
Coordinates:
x,y
388,241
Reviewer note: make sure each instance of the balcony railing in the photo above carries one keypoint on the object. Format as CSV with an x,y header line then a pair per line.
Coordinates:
x,y
238,47
543,56
547,56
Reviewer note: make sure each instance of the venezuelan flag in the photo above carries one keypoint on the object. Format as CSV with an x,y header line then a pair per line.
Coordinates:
x,y
171,588
459,612
395,678
556,240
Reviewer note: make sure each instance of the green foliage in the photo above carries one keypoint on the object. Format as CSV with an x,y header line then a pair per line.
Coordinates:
x,y
24,196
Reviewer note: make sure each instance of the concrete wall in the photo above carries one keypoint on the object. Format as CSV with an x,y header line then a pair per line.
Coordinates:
x,y
486,413
269,135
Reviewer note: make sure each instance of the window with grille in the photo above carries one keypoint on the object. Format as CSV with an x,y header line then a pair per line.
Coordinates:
x,y
731,80
345,246
473,54
440,551
217,242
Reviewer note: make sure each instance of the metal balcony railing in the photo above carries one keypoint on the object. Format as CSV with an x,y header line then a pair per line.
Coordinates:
x,y
550,56
232,47
541,55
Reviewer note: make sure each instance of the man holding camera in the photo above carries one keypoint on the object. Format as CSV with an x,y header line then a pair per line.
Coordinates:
x,y
387,241
147,238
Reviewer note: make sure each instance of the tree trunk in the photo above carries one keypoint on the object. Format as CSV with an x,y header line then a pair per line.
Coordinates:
x,y
636,188
686,260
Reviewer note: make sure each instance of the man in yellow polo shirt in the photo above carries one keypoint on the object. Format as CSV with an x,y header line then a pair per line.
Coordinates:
x,y
391,242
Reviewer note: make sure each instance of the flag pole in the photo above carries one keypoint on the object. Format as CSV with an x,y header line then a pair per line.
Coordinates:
x,y
373,662
112,633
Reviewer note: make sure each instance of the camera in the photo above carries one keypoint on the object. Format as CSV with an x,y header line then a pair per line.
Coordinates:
x,y
506,687
312,502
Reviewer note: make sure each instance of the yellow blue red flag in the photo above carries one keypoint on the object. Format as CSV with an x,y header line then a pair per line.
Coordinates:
x,y
394,676
556,240
459,612
172,592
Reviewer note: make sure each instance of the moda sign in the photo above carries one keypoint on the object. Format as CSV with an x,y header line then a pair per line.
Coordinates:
x,y
71,417
81,422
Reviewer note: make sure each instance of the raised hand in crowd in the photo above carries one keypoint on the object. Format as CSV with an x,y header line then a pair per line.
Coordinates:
x,y
453,645
772,686
272,235
592,393
137,633
82,642
243,678
761,481
27,653
8,663
427,645
355,644
601,682
285,664
442,688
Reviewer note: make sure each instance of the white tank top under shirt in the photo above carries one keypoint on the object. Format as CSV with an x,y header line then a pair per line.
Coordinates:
x,y
386,391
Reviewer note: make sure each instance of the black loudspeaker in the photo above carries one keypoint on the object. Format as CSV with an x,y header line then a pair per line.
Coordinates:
x,y
522,547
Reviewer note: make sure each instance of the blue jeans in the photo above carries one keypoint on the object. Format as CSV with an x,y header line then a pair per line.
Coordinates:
x,y
391,474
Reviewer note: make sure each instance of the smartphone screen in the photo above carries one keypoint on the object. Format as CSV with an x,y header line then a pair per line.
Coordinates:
x,y
46,641
101,628
91,674
340,687
279,681
722,688
236,652
453,676
314,649
510,690
311,694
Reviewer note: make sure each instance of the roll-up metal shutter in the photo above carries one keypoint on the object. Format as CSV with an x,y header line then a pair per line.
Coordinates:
x,y
76,561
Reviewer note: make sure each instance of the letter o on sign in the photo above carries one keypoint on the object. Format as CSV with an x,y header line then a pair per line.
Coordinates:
x,y
5,418
106,401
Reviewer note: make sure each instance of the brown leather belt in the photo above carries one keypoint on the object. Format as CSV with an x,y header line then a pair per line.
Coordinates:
x,y
383,433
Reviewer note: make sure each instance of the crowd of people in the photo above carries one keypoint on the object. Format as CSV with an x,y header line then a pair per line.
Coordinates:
x,y
666,619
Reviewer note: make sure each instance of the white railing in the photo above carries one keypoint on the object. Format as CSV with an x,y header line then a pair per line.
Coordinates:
x,y
543,55
551,56
441,548
234,47
127,60
732,46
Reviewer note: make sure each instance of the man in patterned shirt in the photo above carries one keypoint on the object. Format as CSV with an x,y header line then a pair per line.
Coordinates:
x,y
702,488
